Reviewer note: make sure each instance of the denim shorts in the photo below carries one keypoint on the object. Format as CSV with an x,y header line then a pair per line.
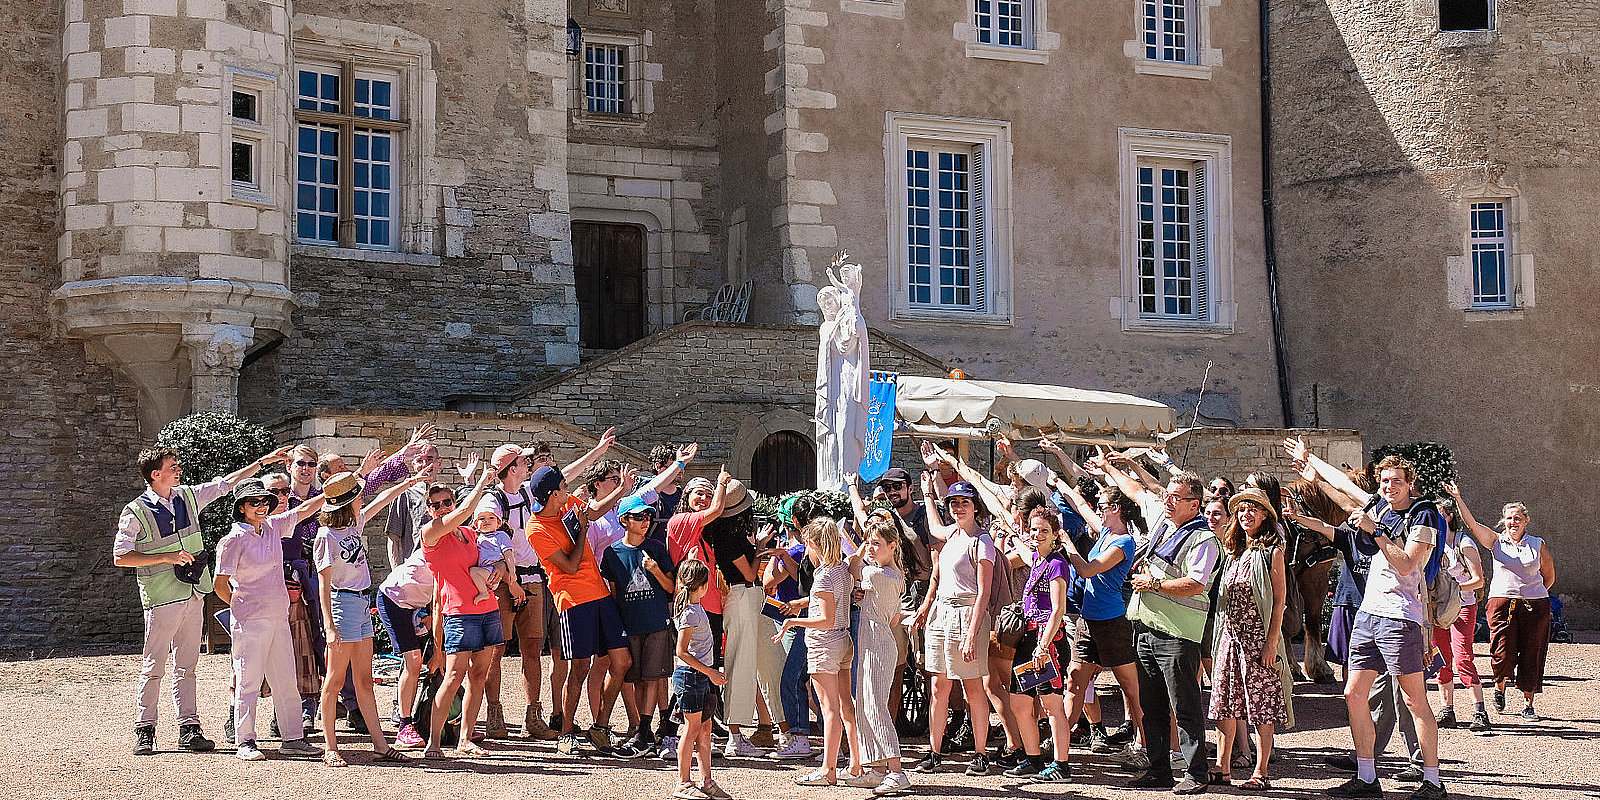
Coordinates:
x,y
694,692
469,633
352,616
401,623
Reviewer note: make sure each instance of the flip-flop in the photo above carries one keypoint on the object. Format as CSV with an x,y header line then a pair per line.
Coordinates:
x,y
333,759
1257,784
394,756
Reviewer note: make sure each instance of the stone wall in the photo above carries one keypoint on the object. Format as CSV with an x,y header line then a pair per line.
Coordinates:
x,y
1234,453
66,460
726,386
1385,131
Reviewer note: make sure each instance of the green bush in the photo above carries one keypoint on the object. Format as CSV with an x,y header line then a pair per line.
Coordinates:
x,y
211,444
1434,462
833,504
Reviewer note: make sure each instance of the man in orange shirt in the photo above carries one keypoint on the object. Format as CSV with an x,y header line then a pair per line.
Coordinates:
x,y
587,621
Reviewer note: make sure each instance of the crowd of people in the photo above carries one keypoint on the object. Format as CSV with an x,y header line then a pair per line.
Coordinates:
x,y
983,609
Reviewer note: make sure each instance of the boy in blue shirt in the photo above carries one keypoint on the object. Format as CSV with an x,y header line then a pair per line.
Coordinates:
x,y
639,570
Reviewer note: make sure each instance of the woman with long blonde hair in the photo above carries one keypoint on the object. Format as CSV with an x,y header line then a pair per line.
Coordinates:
x,y
829,650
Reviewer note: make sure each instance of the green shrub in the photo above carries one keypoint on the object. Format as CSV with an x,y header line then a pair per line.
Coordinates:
x,y
833,504
211,444
1434,462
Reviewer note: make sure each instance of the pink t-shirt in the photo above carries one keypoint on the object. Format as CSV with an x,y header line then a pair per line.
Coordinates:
x,y
450,558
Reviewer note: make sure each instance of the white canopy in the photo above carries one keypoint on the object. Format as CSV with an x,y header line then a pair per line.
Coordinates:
x,y
981,409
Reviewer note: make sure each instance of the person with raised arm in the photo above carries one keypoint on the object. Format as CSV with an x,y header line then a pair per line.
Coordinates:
x,y
340,554
465,631
1174,574
158,537
249,578
956,617
1519,601
1388,634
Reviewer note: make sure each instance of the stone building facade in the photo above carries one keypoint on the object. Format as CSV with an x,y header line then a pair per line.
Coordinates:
x,y
273,206
1436,243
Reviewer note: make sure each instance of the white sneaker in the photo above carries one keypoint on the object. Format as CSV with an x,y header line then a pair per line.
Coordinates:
x,y
740,747
249,752
793,747
870,779
893,783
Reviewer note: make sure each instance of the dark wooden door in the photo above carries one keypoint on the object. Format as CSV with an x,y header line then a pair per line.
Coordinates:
x,y
784,462
608,268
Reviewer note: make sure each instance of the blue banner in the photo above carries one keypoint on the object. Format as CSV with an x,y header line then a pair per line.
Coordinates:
x,y
880,425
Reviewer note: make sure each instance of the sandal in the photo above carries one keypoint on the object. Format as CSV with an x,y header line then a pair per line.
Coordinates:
x,y
471,748
1257,783
1217,777
333,759
393,756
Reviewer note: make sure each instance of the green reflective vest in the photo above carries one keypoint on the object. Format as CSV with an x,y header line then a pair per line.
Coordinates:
x,y
158,584
1185,617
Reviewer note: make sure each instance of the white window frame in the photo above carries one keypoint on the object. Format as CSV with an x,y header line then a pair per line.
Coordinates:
x,y
639,79
1214,152
991,141
258,133
1200,57
1461,272
1497,240
1037,39
408,57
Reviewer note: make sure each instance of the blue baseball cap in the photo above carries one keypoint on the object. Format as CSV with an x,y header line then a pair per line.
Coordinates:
x,y
545,482
633,504
962,489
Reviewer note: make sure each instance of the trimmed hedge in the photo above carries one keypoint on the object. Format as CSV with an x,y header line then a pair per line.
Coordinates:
x,y
211,444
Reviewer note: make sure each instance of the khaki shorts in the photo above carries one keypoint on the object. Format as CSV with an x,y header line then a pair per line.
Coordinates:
x,y
832,651
943,649
527,622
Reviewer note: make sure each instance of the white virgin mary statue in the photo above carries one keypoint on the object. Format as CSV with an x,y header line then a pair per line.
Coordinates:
x,y
843,372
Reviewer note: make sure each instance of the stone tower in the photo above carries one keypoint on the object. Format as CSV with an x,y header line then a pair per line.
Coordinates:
x,y
173,252
1434,164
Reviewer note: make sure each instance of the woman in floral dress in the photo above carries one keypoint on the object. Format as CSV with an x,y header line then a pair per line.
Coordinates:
x,y
1249,679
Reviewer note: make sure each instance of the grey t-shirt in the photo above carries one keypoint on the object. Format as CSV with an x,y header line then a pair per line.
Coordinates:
x,y
701,643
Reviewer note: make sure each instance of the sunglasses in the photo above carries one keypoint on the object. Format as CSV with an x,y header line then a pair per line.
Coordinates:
x,y
439,504
893,486
258,501
641,515
305,463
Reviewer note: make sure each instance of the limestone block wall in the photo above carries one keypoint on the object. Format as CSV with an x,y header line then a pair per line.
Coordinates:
x,y
1386,130
1234,453
673,195
726,386
66,461
478,299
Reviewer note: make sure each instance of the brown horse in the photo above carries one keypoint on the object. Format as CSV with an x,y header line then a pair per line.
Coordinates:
x,y
1312,562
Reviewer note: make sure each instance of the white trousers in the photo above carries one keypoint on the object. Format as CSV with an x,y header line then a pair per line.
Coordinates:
x,y
754,662
171,630
262,649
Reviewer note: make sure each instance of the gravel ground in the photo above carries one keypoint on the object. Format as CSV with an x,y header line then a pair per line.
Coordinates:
x,y
68,736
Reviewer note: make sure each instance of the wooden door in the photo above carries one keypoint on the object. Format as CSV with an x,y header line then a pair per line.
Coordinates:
x,y
784,462
608,269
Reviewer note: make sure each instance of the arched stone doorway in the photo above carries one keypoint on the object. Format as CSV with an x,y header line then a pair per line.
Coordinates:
x,y
784,462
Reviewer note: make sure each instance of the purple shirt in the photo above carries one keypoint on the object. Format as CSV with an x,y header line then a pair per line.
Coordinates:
x,y
1036,595
252,559
297,547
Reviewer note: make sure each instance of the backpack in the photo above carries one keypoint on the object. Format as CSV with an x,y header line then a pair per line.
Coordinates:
x,y
1005,598
1443,595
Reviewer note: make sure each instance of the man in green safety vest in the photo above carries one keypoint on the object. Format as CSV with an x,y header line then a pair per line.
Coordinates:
x,y
158,537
